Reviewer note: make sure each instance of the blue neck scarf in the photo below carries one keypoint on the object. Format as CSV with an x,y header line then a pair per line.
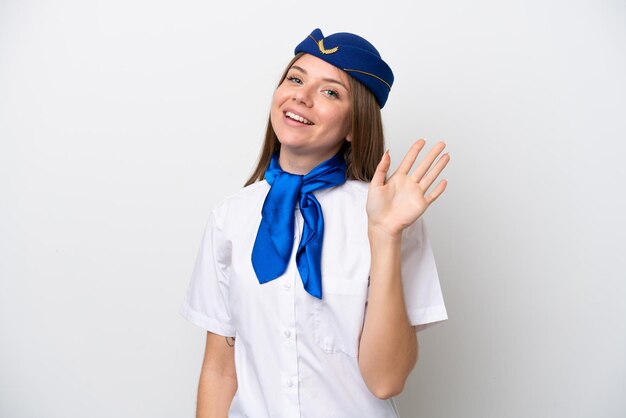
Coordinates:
x,y
274,241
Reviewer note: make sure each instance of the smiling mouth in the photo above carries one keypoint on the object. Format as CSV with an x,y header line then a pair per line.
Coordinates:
x,y
298,118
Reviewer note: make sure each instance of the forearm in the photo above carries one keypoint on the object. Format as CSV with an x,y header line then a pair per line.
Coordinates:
x,y
218,378
388,346
215,394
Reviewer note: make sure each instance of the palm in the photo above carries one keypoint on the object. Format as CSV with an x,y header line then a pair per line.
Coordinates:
x,y
395,203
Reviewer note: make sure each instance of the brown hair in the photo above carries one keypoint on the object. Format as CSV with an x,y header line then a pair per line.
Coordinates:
x,y
362,154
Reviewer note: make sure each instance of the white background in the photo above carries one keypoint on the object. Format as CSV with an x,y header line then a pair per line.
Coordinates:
x,y
123,122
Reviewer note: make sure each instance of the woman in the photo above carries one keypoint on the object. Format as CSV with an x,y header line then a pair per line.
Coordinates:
x,y
314,278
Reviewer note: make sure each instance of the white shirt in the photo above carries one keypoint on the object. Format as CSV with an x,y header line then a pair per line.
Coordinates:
x,y
296,355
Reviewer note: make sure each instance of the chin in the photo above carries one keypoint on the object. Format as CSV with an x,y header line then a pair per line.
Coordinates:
x,y
294,147
290,140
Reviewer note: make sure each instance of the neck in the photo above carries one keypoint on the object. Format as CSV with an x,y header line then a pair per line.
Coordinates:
x,y
302,164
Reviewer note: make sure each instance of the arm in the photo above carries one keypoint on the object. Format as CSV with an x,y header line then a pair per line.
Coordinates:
x,y
218,380
388,348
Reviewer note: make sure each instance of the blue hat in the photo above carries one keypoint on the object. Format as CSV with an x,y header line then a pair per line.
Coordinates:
x,y
354,55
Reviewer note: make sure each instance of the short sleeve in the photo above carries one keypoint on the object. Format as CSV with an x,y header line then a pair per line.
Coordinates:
x,y
206,300
422,291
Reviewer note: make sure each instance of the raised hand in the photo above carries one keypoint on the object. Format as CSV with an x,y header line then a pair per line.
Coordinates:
x,y
395,203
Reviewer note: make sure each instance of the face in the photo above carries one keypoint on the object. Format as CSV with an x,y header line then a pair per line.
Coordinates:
x,y
310,113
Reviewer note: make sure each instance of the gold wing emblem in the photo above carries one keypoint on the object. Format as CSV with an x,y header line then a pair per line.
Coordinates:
x,y
325,51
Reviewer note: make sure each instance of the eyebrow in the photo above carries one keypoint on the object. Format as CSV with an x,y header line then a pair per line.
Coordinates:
x,y
330,80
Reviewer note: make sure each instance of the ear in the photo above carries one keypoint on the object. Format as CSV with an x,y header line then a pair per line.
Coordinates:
x,y
349,137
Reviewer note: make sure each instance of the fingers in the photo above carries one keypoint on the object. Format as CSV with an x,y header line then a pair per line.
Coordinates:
x,y
410,157
432,196
381,170
423,167
432,175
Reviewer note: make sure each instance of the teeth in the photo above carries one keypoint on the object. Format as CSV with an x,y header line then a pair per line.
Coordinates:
x,y
298,118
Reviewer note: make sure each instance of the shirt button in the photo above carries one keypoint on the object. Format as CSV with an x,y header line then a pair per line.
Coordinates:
x,y
287,333
289,383
287,286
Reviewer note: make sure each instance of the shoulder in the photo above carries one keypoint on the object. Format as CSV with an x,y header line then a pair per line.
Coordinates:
x,y
352,191
357,187
249,193
243,203
345,204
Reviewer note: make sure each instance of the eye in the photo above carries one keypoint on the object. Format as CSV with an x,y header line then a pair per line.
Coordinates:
x,y
294,79
332,93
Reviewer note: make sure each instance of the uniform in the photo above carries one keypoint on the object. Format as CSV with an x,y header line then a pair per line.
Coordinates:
x,y
296,355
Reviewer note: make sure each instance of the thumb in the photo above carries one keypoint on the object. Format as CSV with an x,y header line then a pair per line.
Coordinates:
x,y
381,170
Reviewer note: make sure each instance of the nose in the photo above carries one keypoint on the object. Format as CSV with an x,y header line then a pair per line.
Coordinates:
x,y
303,95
